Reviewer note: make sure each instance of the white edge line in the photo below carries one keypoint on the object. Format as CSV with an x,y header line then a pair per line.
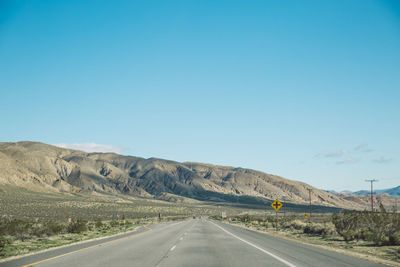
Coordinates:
x,y
257,247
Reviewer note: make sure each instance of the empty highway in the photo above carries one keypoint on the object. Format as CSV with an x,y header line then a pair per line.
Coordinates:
x,y
196,242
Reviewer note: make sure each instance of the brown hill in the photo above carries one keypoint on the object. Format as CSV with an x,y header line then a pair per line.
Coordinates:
x,y
39,167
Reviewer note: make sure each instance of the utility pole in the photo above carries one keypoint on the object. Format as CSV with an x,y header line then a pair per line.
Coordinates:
x,y
266,221
284,210
372,193
309,192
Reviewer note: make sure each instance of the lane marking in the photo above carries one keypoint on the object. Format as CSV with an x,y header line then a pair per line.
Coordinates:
x,y
176,223
255,246
82,249
172,224
171,249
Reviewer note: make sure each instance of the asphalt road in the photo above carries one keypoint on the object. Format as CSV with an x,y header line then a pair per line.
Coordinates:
x,y
197,242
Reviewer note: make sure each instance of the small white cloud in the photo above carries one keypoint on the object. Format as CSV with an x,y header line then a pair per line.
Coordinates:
x,y
337,153
382,160
360,147
347,161
92,147
333,154
363,148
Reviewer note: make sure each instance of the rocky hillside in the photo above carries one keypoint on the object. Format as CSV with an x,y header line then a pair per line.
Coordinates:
x,y
39,166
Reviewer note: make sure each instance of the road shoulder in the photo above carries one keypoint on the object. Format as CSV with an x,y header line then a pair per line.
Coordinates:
x,y
334,249
80,244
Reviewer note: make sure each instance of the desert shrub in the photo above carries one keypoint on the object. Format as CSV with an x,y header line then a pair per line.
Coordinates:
x,y
98,224
286,222
397,253
4,242
105,227
394,239
349,235
24,229
307,229
258,221
381,227
91,226
364,234
298,225
53,228
270,219
12,227
18,228
244,218
315,229
77,227
114,223
37,230
286,225
128,222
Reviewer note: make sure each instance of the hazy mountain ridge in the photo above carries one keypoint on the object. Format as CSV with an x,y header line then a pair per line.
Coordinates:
x,y
39,166
387,197
395,191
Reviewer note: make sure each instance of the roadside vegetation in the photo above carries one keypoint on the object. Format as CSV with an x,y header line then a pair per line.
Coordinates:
x,y
375,234
33,221
382,228
22,236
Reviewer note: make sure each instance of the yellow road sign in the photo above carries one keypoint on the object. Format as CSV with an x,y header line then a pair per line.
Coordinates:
x,y
305,215
276,205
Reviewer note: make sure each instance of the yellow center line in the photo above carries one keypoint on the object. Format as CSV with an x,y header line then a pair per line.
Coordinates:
x,y
82,249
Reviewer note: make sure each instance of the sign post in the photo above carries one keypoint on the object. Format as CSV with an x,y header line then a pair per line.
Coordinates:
x,y
276,205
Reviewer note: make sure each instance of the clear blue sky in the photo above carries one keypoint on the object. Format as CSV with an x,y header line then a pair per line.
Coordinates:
x,y
309,90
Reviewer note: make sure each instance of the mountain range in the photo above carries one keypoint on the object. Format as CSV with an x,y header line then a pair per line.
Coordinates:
x,y
42,167
395,191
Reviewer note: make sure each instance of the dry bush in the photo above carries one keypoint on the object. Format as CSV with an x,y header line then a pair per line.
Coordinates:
x,y
297,224
77,227
383,228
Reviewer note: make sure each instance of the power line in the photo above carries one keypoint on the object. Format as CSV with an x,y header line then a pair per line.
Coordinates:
x,y
309,191
372,193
